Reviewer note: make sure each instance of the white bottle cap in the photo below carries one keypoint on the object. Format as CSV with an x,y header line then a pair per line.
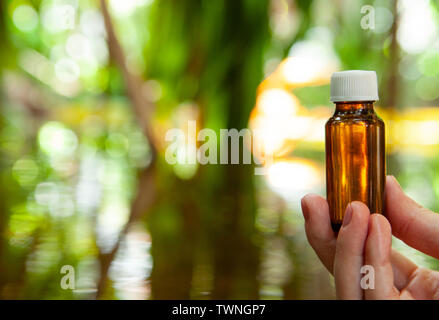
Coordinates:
x,y
354,85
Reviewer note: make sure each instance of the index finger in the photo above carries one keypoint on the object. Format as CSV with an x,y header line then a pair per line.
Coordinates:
x,y
413,224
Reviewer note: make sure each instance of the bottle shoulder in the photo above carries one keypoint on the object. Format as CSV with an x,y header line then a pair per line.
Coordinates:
x,y
355,118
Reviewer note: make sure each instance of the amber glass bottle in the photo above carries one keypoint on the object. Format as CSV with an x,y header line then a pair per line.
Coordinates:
x,y
355,145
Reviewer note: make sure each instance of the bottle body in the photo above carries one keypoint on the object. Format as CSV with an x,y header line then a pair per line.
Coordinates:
x,y
355,159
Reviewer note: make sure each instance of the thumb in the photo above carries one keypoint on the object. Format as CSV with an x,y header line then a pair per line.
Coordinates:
x,y
416,226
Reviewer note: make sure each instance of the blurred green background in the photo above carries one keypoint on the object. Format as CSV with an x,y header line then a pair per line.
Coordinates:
x,y
89,89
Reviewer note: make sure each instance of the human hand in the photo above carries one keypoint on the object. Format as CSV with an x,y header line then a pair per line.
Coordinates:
x,y
365,239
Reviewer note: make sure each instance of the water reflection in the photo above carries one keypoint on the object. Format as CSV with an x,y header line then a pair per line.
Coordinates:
x,y
84,182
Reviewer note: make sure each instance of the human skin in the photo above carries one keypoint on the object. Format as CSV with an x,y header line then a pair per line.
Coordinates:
x,y
366,239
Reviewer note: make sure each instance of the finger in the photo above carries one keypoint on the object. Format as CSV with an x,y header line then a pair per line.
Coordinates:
x,y
424,285
378,253
350,250
323,240
416,226
403,269
318,228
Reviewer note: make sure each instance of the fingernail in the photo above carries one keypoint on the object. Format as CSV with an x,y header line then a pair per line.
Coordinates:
x,y
304,208
348,215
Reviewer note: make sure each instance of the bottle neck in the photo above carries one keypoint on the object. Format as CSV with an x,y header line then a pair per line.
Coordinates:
x,y
354,106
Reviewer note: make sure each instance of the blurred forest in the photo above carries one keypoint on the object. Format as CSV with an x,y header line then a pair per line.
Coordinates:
x,y
89,89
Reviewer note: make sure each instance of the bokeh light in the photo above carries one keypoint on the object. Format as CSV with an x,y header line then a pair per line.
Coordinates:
x,y
25,171
25,18
58,17
57,140
85,181
415,17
